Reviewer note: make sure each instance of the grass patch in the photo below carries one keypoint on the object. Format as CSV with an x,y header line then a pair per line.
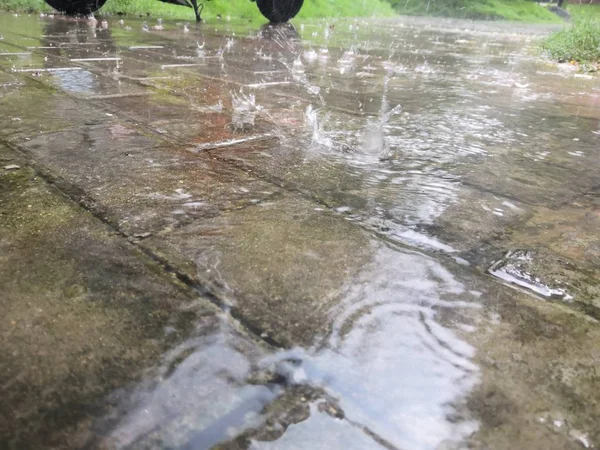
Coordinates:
x,y
578,42
23,6
590,11
243,9
517,10
345,8
236,9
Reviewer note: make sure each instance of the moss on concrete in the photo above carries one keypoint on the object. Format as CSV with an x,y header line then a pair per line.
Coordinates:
x,y
82,315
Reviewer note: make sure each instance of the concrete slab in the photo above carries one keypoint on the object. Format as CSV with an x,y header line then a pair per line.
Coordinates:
x,y
143,185
79,329
30,107
340,202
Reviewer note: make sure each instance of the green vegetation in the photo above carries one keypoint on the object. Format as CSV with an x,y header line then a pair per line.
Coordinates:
x,y
237,8
24,6
245,9
341,8
518,10
578,42
242,9
584,11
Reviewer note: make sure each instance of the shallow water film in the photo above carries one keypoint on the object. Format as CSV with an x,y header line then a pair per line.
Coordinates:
x,y
358,234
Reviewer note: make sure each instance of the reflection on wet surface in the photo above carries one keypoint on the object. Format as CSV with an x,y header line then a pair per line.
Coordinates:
x,y
319,431
397,373
338,190
200,391
394,368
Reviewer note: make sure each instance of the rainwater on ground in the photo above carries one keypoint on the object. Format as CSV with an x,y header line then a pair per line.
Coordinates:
x,y
362,234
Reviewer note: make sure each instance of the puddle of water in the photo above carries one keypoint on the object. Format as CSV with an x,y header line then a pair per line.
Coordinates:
x,y
199,394
319,431
391,141
394,368
79,81
391,362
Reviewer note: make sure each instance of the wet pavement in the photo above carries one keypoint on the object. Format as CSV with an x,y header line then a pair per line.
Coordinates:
x,y
353,234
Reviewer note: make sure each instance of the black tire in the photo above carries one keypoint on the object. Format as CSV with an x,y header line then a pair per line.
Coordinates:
x,y
278,11
75,7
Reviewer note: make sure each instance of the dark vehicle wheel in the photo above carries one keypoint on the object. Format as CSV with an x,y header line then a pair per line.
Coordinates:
x,y
278,11
74,7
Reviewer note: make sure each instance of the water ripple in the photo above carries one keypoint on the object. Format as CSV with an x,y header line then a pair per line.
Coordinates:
x,y
396,369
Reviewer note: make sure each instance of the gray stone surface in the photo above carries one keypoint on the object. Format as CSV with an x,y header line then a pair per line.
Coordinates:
x,y
84,314
235,238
